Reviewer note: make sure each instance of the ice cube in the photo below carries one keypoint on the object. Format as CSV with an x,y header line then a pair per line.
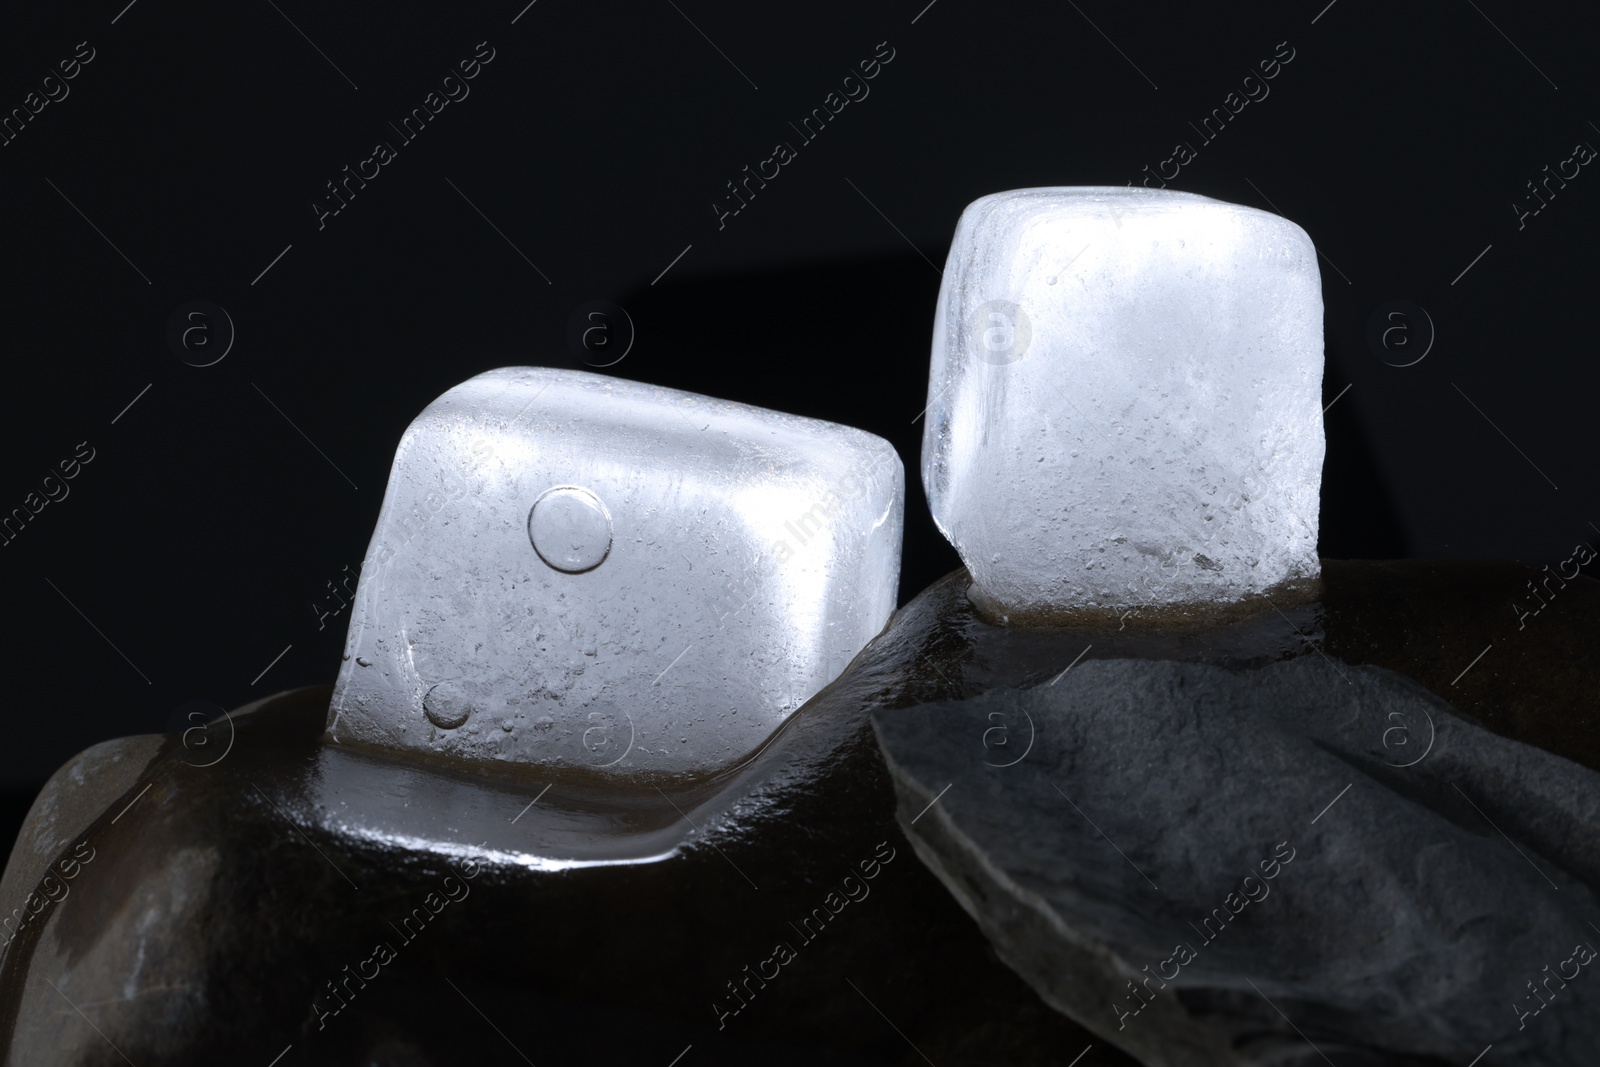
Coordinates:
x,y
1125,402
576,570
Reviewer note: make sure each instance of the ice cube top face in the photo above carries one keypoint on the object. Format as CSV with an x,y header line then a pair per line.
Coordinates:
x,y
580,571
1125,401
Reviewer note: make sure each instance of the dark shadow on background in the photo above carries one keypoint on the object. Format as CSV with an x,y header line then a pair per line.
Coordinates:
x,y
1360,518
759,338
14,805
768,337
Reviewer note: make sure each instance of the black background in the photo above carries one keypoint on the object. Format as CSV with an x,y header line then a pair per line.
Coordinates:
x,y
187,156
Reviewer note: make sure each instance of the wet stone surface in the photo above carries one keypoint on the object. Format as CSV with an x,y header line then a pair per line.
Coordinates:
x,y
231,910
364,910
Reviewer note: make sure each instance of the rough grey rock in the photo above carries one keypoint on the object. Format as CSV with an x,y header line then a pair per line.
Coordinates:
x,y
1309,862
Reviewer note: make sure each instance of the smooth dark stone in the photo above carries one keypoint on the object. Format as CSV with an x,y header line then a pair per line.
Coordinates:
x,y
212,912
221,899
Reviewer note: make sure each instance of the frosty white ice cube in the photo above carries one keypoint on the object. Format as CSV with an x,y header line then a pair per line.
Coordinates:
x,y
1125,401
576,570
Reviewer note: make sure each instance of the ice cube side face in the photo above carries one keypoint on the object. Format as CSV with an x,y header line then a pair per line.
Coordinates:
x,y
1125,400
744,557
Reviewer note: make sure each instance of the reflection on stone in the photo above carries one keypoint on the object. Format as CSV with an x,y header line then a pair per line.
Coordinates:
x,y
606,920
609,920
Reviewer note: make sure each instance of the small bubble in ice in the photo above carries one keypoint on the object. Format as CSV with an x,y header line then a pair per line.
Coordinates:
x,y
447,706
570,529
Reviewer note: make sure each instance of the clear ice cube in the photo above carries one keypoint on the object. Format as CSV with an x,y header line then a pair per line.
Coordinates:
x,y
576,570
1125,401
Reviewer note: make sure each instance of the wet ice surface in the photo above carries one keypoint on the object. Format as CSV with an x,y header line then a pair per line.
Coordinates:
x,y
1125,399
577,570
